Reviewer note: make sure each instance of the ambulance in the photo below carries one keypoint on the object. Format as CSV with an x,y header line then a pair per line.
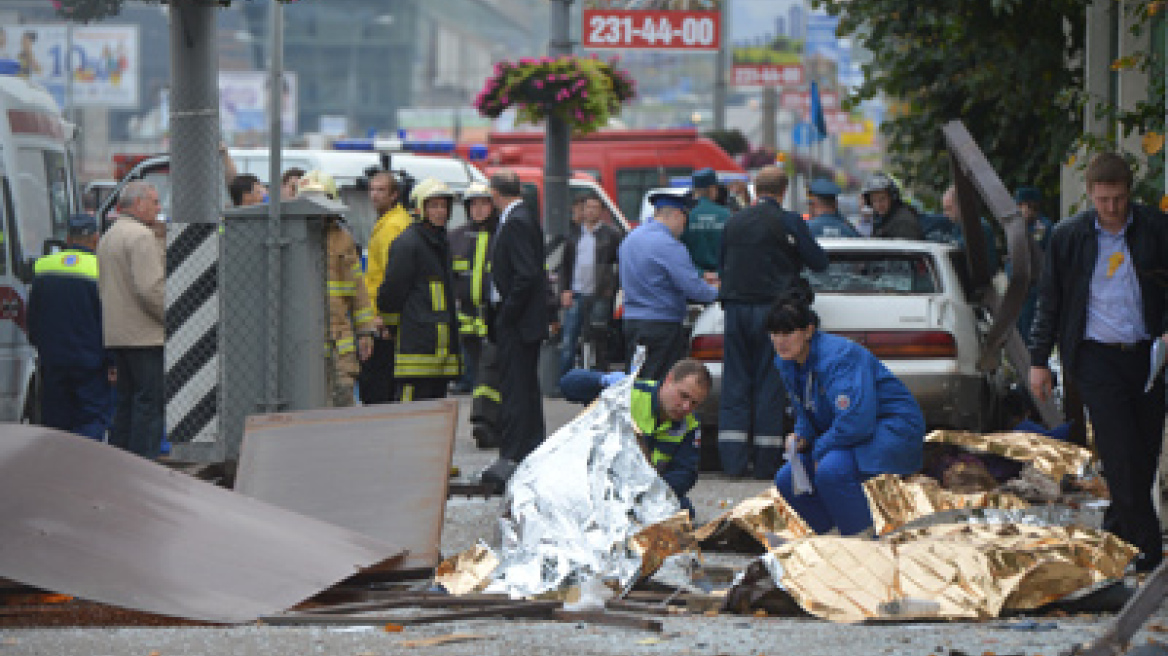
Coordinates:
x,y
37,195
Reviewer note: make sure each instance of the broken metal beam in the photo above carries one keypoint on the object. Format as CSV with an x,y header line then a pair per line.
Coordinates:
x,y
537,609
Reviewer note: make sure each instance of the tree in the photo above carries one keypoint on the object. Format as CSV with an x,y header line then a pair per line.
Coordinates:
x,y
1003,67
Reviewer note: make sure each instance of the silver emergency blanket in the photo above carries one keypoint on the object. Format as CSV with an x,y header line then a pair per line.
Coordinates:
x,y
576,502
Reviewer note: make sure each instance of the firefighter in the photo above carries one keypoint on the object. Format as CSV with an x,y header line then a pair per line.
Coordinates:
x,y
419,287
352,321
470,246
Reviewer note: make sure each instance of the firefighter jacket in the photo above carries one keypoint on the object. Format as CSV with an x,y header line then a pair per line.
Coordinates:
x,y
469,247
419,288
385,231
350,311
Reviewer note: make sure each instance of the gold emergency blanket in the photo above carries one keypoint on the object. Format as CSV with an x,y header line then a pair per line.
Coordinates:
x,y
468,571
949,571
767,513
658,542
895,502
1050,456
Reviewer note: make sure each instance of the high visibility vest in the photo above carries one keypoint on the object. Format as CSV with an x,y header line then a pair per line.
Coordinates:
x,y
67,263
663,437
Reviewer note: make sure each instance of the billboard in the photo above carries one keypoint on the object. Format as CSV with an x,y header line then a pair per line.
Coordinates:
x,y
688,25
766,42
102,61
243,102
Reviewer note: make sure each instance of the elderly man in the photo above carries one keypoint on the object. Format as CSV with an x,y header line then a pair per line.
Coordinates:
x,y
658,277
132,287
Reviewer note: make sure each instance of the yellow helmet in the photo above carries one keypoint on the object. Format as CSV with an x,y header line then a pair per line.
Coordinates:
x,y
430,188
317,181
476,190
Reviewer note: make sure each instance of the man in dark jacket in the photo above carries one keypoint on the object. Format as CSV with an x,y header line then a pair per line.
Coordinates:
x,y
518,322
419,286
893,219
64,324
588,279
764,249
1102,300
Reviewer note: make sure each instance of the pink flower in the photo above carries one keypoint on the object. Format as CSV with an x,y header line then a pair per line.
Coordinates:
x,y
583,94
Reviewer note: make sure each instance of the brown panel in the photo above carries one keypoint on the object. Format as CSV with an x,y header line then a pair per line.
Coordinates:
x,y
380,470
90,520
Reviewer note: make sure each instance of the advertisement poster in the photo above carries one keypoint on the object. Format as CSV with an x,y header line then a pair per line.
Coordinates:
x,y
766,43
102,60
243,102
686,25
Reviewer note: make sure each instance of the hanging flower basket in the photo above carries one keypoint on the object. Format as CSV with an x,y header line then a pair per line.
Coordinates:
x,y
584,91
84,11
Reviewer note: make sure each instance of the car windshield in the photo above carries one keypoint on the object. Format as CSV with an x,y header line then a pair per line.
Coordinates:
x,y
877,273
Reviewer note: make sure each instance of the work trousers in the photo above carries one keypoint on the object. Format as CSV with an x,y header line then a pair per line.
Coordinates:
x,y
838,499
472,352
753,402
138,421
76,399
1129,427
664,341
419,389
375,382
521,426
486,400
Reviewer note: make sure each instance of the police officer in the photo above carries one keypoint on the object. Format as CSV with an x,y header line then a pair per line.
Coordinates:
x,y
853,418
470,246
64,324
703,232
826,221
893,219
663,416
419,286
764,249
658,277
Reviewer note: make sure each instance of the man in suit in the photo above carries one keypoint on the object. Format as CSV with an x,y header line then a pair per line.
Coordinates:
x,y
518,323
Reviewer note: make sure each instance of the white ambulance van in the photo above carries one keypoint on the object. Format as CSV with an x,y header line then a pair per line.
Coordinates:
x,y
37,195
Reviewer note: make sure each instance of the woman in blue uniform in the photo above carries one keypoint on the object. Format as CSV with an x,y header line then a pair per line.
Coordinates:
x,y
853,418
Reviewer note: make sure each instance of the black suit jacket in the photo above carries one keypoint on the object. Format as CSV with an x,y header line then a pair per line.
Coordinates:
x,y
517,268
1061,311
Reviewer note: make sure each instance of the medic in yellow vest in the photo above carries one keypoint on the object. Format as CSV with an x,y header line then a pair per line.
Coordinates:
x,y
669,433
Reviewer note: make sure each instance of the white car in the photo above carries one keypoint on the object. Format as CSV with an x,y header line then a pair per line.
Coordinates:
x,y
906,302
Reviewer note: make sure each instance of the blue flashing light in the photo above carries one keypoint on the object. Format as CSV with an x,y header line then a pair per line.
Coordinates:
x,y
436,146
9,67
353,144
477,152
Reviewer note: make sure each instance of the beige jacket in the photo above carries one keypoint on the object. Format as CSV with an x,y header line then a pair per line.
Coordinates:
x,y
132,285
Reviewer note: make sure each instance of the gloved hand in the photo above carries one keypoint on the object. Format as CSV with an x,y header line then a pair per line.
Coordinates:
x,y
612,378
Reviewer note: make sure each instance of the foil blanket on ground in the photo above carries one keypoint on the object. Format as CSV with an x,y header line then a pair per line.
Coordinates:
x,y
467,572
953,571
575,503
1050,456
895,502
767,518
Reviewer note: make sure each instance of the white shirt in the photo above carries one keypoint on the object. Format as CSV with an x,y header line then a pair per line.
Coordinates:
x,y
584,271
495,297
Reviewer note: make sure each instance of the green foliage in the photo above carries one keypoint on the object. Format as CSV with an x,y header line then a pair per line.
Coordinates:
x,y
84,11
731,141
1002,67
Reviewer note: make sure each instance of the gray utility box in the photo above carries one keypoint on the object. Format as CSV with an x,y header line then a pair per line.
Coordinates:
x,y
248,338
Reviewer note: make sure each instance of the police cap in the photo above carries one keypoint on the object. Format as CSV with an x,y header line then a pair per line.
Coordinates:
x,y
678,198
703,178
82,224
823,187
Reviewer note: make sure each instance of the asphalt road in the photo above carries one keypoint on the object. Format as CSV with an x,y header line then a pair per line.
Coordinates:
x,y
468,520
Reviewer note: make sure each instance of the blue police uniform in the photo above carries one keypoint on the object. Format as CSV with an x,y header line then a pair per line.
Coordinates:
x,y
674,447
64,324
860,421
831,225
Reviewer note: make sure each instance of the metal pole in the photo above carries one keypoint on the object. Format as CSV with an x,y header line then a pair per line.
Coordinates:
x,y
720,73
196,171
558,139
275,242
69,104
